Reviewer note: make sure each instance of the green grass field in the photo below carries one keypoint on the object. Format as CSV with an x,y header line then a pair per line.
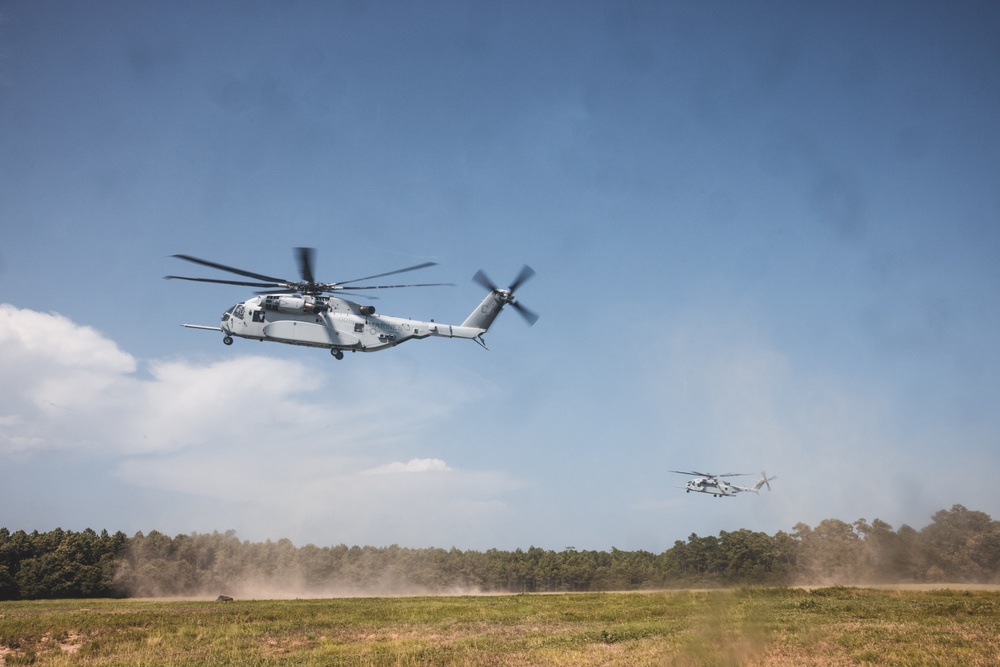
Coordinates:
x,y
752,626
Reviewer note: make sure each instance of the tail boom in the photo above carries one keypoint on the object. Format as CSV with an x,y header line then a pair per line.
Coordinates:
x,y
452,331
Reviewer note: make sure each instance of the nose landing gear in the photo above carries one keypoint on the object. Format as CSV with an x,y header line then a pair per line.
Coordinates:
x,y
337,354
228,340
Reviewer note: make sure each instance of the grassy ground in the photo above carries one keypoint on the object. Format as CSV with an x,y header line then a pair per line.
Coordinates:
x,y
754,626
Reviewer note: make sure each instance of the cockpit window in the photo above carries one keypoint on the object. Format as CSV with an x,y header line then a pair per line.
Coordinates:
x,y
238,312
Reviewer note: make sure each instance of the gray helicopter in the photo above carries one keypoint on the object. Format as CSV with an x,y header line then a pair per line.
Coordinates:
x,y
304,312
706,483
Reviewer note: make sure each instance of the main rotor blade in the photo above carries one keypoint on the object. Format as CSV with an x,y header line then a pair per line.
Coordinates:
x,y
225,282
529,316
305,257
358,296
230,269
390,273
293,290
526,272
484,280
357,287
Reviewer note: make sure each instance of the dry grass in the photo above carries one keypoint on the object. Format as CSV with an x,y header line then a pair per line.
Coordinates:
x,y
773,627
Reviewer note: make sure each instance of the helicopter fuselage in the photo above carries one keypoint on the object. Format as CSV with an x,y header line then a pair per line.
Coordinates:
x,y
331,322
716,487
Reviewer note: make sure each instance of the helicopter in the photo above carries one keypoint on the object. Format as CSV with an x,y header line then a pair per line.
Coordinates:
x,y
305,312
706,483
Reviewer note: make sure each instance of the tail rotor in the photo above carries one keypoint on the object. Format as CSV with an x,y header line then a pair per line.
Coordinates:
x,y
767,480
506,296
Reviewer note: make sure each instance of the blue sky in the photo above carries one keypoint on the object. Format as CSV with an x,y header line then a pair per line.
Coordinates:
x,y
766,237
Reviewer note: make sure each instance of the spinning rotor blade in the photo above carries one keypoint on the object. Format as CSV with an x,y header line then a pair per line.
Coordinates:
x,y
305,257
227,282
276,291
767,480
290,291
230,269
525,274
356,287
484,280
361,296
390,273
695,473
529,315
508,294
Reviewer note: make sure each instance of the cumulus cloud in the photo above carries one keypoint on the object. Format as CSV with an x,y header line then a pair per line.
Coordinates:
x,y
259,444
69,387
56,374
52,340
413,465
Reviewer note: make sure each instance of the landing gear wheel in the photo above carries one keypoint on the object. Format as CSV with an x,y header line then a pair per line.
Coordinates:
x,y
337,354
228,340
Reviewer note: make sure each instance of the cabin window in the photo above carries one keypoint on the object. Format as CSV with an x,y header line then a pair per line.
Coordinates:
x,y
359,327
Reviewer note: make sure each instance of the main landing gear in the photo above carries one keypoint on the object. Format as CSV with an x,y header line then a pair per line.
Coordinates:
x,y
337,354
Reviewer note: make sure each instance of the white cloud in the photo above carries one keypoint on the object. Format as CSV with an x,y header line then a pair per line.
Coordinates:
x,y
188,405
314,496
55,341
261,444
56,374
411,466
92,398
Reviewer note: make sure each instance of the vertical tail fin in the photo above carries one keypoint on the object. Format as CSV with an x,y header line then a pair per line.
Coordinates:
x,y
483,316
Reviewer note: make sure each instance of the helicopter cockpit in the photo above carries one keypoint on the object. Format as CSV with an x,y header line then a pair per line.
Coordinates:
x,y
237,311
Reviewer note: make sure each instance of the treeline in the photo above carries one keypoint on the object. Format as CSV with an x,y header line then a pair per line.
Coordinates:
x,y
60,564
958,546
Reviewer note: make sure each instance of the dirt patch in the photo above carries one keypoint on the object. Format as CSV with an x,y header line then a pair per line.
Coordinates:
x,y
72,643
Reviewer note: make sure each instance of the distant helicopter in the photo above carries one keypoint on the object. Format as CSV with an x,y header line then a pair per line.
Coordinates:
x,y
706,483
302,313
